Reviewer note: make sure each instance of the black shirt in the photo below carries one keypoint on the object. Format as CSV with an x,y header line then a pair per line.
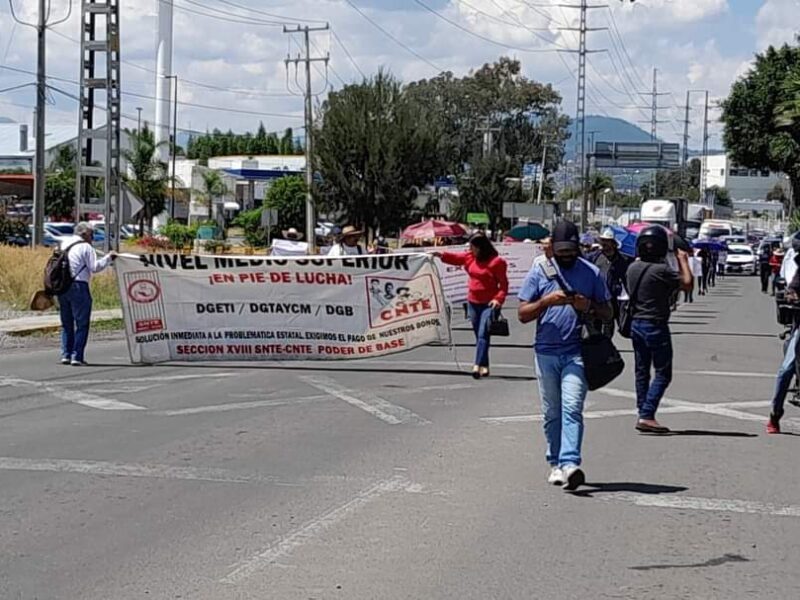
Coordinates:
x,y
653,298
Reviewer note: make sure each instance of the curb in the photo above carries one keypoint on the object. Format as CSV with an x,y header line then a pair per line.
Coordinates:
x,y
51,325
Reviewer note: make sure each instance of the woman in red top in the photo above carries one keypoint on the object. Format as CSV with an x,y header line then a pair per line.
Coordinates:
x,y
488,287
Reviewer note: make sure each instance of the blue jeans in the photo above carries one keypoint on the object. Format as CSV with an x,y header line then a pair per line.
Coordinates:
x,y
481,315
785,374
75,306
652,348
562,388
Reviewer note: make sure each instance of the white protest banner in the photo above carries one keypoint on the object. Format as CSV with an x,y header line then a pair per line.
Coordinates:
x,y
518,255
193,308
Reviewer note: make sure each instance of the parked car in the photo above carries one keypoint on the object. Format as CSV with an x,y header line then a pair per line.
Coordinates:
x,y
741,259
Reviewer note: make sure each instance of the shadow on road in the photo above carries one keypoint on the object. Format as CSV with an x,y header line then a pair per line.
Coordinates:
x,y
698,321
713,562
700,432
633,487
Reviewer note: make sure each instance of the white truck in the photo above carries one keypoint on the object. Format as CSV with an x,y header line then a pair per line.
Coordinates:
x,y
671,213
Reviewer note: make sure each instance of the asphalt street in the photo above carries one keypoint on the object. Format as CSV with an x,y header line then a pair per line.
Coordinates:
x,y
399,478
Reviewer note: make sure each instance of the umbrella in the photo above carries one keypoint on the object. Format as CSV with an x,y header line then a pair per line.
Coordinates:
x,y
709,245
625,238
428,230
528,231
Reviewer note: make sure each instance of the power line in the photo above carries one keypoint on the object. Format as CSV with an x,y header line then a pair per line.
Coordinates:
x,y
267,14
252,92
392,37
222,16
181,103
347,52
480,36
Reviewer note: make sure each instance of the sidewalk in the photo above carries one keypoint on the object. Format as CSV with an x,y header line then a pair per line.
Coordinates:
x,y
49,322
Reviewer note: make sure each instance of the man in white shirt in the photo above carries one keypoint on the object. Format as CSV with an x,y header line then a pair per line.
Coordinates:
x,y
789,265
348,243
75,304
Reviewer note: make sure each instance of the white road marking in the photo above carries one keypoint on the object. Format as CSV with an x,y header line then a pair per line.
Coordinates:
x,y
218,408
74,396
285,545
374,405
144,379
592,414
740,374
154,471
709,504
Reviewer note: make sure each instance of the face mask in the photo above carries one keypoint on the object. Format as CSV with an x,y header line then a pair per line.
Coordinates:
x,y
566,262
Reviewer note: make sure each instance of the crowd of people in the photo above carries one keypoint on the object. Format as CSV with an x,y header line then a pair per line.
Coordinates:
x,y
576,285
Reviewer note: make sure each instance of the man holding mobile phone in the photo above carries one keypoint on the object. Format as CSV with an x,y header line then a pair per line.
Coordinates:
x,y
562,294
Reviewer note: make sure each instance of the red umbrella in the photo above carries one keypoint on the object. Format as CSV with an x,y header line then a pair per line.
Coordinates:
x,y
428,230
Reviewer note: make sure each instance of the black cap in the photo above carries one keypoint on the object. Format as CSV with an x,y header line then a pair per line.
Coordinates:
x,y
565,236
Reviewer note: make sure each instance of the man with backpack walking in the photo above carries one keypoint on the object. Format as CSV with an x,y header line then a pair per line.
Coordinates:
x,y
67,276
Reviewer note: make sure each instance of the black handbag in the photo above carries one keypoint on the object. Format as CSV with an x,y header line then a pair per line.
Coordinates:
x,y
626,308
602,362
498,326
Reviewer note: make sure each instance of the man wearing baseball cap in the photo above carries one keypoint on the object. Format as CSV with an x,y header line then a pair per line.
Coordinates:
x,y
560,294
614,267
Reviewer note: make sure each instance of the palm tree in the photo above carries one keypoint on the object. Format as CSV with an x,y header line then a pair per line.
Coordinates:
x,y
597,183
147,175
213,188
788,112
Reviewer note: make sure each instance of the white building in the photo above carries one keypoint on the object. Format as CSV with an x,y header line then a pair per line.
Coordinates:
x,y
741,183
246,179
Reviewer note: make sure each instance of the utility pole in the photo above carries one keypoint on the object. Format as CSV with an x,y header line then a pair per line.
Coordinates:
x,y
307,60
41,98
704,163
685,162
542,171
173,150
580,112
488,137
654,122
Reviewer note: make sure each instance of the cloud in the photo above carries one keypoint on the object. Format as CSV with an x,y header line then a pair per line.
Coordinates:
x,y
776,23
236,56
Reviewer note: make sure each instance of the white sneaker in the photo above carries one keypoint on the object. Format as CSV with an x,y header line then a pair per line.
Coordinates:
x,y
573,478
556,476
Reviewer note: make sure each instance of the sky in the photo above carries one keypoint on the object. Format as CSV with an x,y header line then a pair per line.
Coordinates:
x,y
229,54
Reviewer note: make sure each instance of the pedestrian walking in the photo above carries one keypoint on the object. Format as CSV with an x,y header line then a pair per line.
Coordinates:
x,y
776,264
652,282
561,294
722,261
348,243
696,267
764,270
788,368
488,288
75,303
712,271
613,266
705,270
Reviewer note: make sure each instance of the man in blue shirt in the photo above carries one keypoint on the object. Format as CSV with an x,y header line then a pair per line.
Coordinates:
x,y
561,295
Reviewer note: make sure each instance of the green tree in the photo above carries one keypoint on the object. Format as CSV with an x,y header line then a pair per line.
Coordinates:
x,y
287,142
287,195
374,149
761,127
59,195
597,183
485,187
147,177
721,196
213,188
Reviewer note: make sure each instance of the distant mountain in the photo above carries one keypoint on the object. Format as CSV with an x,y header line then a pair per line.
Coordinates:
x,y
6,120
607,129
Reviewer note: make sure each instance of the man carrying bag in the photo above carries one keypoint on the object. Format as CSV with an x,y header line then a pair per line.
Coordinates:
x,y
560,315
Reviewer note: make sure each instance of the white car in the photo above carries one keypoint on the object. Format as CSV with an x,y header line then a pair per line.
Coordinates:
x,y
741,260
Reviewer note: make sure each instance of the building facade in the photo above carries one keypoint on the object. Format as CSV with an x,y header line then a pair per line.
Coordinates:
x,y
742,183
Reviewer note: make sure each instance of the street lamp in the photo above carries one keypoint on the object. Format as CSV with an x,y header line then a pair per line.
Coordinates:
x,y
606,192
139,120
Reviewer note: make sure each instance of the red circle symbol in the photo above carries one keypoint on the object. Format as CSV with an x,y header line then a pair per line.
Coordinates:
x,y
143,291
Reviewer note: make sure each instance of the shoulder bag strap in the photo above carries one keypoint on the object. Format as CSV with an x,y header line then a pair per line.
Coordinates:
x,y
66,253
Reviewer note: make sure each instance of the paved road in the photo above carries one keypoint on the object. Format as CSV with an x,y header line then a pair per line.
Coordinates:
x,y
396,479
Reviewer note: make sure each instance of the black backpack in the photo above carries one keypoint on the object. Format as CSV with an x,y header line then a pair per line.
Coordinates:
x,y
57,275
